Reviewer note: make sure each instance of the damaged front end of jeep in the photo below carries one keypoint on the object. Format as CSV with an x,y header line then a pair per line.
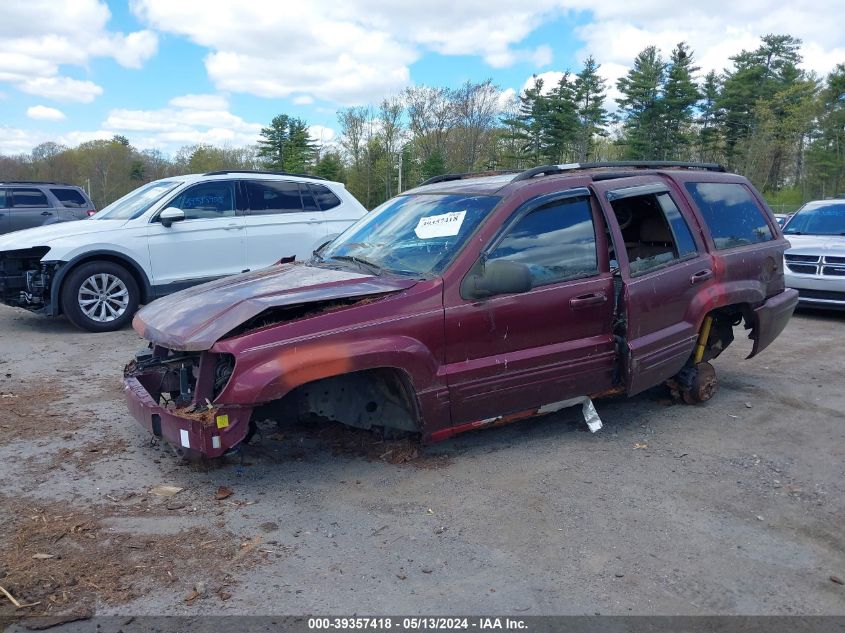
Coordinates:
x,y
173,393
26,281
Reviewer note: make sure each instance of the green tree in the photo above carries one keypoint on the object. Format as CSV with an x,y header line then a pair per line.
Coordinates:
x,y
680,95
433,165
285,145
756,76
592,115
528,123
330,166
826,149
558,117
641,106
710,119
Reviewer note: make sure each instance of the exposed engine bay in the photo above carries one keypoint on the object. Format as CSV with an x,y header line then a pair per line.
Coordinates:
x,y
26,281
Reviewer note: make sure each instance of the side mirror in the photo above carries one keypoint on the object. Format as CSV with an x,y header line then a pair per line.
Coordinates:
x,y
498,277
171,215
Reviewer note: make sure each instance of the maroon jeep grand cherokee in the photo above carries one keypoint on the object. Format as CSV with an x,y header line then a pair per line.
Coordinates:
x,y
473,300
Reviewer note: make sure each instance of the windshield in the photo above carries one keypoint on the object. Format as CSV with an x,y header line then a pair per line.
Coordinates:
x,y
414,235
818,219
136,202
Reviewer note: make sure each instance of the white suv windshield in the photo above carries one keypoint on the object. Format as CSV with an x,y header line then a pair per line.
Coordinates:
x,y
136,202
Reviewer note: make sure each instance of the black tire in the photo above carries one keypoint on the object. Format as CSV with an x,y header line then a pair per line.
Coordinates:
x,y
111,311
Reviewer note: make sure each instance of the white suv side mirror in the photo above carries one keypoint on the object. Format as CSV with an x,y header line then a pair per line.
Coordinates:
x,y
171,215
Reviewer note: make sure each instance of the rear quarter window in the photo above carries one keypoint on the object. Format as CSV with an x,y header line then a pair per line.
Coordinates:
x,y
324,196
70,198
731,214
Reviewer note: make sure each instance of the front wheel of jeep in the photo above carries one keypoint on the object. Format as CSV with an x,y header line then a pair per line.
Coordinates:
x,y
100,296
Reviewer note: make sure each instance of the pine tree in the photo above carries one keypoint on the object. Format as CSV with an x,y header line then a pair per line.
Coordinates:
x,y
558,118
286,144
680,94
826,151
528,123
592,116
641,106
710,119
757,76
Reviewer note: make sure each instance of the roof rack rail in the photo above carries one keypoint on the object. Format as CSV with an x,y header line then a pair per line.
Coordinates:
x,y
223,172
35,182
474,174
549,170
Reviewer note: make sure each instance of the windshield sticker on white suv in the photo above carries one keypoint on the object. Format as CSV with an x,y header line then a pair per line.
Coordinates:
x,y
445,225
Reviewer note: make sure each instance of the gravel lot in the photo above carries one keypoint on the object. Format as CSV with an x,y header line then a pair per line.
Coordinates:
x,y
734,507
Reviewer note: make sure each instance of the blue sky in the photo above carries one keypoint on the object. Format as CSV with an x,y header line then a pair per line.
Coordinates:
x,y
167,73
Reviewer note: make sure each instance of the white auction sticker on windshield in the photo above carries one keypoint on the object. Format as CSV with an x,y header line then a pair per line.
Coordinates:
x,y
445,225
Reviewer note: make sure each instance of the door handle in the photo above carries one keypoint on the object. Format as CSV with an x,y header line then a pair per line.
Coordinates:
x,y
313,221
701,275
233,227
46,213
587,300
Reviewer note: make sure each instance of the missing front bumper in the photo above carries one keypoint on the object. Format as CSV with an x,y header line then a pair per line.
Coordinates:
x,y
210,433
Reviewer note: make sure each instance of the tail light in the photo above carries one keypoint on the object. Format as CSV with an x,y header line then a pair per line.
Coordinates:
x,y
90,212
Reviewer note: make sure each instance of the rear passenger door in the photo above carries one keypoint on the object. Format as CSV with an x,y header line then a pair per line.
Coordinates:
x,y
30,207
282,220
665,270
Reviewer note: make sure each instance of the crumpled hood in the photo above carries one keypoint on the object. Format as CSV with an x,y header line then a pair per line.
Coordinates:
x,y
43,235
194,319
817,245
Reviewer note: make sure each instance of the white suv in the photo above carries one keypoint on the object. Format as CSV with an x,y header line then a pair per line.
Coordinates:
x,y
168,235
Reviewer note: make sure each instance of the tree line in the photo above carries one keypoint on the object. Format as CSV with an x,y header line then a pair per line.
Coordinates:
x,y
763,117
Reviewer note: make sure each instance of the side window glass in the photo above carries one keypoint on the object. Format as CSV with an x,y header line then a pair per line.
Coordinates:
x,y
680,229
2,198
654,231
556,242
70,198
308,202
731,213
273,196
325,198
207,200
28,199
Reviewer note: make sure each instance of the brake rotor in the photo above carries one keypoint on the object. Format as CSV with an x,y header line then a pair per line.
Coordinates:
x,y
703,385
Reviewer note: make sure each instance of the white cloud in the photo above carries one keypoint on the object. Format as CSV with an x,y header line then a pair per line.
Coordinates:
x,y
18,141
38,37
356,51
715,31
322,135
191,119
507,99
44,113
550,79
303,100
200,102
339,50
61,88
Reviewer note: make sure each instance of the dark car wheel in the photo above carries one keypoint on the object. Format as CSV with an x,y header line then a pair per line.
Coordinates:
x,y
100,296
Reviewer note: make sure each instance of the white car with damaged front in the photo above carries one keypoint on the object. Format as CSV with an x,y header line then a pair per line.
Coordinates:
x,y
168,235
815,264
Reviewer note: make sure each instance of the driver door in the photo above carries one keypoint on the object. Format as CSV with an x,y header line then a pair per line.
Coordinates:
x,y
515,352
207,244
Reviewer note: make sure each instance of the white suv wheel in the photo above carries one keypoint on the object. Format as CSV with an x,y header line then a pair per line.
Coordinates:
x,y
103,297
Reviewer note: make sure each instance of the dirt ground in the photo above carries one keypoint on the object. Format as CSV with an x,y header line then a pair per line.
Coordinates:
x,y
733,507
